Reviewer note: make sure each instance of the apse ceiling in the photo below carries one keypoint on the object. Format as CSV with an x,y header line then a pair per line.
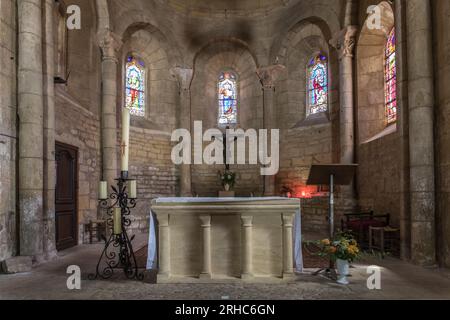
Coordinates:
x,y
212,6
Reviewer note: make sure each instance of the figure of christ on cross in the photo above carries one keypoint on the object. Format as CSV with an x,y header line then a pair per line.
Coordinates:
x,y
226,148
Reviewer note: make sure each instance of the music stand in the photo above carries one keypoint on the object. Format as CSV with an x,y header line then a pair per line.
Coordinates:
x,y
332,174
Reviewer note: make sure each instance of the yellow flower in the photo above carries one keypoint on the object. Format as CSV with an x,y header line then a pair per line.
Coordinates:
x,y
325,242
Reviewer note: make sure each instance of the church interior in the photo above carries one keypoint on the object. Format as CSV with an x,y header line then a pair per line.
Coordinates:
x,y
92,91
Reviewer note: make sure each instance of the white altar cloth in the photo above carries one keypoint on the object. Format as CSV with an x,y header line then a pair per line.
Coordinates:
x,y
152,245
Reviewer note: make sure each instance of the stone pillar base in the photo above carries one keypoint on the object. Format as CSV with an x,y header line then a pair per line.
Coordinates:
x,y
247,276
19,264
288,275
205,276
162,277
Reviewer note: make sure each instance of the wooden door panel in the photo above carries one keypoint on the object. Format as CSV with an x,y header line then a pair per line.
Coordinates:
x,y
66,196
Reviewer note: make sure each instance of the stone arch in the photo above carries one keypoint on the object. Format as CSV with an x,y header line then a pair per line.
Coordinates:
x,y
169,46
217,45
131,21
215,57
301,43
280,46
370,77
83,57
147,43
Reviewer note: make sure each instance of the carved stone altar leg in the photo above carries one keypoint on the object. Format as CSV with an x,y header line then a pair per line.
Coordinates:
x,y
247,247
288,257
206,226
164,247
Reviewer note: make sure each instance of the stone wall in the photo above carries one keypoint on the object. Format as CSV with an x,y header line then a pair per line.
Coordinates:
x,y
370,76
79,127
152,167
378,146
218,57
441,14
83,58
150,145
8,140
378,177
304,139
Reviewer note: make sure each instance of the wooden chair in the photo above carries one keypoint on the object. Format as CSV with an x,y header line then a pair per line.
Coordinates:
x,y
359,224
385,239
97,227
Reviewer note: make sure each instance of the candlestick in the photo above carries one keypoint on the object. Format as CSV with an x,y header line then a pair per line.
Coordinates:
x,y
103,190
125,138
133,189
118,250
117,220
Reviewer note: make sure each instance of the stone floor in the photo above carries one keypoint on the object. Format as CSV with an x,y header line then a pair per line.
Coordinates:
x,y
399,280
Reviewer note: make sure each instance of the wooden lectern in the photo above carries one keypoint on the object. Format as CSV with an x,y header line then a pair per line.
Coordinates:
x,y
332,174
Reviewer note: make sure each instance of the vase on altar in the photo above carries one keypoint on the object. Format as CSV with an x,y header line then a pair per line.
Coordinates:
x,y
227,187
343,268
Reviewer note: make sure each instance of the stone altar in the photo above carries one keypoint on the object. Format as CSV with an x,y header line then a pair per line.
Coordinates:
x,y
225,238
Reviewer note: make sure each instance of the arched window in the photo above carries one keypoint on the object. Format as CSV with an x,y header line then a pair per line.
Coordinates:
x,y
227,96
317,78
135,86
390,76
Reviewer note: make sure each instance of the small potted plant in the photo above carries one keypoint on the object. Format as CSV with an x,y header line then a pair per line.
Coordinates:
x,y
228,179
343,250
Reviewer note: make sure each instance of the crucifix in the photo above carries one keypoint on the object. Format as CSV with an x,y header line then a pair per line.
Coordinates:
x,y
226,148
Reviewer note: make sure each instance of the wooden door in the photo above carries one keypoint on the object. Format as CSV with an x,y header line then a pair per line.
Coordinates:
x,y
66,196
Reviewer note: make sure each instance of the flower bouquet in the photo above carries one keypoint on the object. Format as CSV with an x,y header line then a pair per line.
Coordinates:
x,y
343,249
228,179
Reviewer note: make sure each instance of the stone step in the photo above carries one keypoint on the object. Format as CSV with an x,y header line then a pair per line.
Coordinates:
x,y
17,264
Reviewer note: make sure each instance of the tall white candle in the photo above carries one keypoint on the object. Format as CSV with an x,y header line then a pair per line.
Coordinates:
x,y
124,146
133,189
117,219
103,190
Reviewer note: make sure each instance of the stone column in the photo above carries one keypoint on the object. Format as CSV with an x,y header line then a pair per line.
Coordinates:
x,y
268,76
164,247
247,247
206,227
110,44
31,142
184,77
403,127
344,42
288,255
421,147
49,132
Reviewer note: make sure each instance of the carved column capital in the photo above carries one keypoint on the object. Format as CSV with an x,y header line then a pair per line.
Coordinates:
x,y
110,43
344,41
183,76
269,75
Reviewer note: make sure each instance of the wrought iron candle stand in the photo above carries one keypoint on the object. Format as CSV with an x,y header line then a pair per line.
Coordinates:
x,y
118,251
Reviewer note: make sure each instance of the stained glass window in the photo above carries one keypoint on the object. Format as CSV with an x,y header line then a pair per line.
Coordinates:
x,y
227,93
135,86
317,84
390,75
